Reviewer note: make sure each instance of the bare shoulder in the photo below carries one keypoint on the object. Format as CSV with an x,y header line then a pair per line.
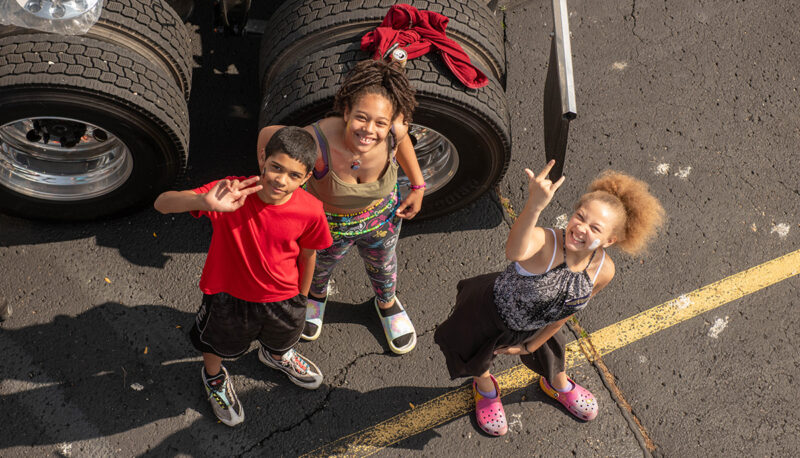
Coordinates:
x,y
538,262
606,274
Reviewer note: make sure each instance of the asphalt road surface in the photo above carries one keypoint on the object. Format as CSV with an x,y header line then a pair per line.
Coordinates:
x,y
696,97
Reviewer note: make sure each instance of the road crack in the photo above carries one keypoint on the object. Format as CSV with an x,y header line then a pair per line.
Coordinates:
x,y
588,349
337,381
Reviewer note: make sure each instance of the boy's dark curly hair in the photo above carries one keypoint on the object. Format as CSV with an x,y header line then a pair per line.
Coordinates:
x,y
377,77
296,143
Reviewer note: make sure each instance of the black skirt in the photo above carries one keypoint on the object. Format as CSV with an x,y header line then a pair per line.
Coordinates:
x,y
469,337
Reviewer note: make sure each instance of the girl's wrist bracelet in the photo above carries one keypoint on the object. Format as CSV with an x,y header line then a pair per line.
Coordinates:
x,y
414,187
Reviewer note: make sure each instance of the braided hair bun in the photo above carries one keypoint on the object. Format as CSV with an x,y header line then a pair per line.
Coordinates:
x,y
377,77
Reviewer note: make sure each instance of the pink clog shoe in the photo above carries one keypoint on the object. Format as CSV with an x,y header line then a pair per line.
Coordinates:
x,y
489,412
579,401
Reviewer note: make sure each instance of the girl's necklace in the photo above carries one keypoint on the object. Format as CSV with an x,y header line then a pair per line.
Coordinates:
x,y
355,164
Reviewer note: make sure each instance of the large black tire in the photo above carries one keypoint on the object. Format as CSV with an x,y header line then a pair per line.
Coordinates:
x,y
475,122
302,27
151,28
86,81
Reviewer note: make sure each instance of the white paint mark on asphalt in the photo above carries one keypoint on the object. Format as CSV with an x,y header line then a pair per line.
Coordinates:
x,y
662,169
192,359
684,172
619,65
332,291
782,230
682,302
643,359
561,221
65,449
7,387
137,387
517,421
718,326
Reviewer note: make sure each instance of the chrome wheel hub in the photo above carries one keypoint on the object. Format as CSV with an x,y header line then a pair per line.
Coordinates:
x,y
437,156
61,159
57,9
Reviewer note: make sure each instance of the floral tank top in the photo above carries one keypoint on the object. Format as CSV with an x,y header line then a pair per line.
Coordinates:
x,y
527,302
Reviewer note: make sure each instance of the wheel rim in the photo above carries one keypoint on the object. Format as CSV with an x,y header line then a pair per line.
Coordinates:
x,y
437,157
62,159
57,9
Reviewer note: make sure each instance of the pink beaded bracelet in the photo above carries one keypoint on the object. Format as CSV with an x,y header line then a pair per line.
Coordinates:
x,y
414,187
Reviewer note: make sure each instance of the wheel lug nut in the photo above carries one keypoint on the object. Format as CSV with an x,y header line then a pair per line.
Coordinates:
x,y
34,6
58,11
100,135
33,136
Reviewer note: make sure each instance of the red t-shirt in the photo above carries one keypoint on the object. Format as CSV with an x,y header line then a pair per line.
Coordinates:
x,y
253,252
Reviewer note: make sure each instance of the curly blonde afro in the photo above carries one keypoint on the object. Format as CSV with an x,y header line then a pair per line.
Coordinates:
x,y
641,214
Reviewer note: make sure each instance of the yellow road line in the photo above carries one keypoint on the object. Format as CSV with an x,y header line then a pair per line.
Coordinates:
x,y
458,402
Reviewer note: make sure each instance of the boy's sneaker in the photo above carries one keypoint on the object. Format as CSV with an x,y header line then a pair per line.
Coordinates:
x,y
300,370
223,398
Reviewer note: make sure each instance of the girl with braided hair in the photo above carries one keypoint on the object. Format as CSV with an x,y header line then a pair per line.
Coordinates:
x,y
553,274
359,148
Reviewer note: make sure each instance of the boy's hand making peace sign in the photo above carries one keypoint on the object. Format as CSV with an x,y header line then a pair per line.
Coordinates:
x,y
228,196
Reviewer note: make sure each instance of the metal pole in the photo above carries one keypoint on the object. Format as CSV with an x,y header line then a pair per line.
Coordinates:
x,y
559,91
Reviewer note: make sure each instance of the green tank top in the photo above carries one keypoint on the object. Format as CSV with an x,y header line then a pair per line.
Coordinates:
x,y
326,186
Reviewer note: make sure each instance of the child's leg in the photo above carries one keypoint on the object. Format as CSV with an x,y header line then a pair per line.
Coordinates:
x,y
489,412
560,382
326,262
377,250
212,363
484,382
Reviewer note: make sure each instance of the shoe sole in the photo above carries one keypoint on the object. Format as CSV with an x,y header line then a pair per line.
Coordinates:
x,y
306,385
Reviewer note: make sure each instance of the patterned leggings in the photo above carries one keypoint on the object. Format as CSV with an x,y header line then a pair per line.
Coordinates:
x,y
375,232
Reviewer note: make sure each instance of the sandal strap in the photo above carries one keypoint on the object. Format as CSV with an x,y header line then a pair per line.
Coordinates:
x,y
396,325
315,310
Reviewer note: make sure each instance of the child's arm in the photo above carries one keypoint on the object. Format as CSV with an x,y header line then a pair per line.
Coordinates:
x,y
225,196
179,201
305,263
407,159
533,344
525,240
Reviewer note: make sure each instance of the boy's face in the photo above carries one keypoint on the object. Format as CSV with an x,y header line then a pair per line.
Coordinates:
x,y
281,176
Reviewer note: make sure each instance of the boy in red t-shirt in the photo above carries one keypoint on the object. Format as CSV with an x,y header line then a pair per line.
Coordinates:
x,y
259,266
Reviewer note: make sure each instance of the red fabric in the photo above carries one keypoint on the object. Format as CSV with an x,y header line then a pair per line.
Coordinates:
x,y
427,31
253,252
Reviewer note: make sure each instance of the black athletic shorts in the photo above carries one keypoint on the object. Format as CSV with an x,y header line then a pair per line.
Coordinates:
x,y
225,325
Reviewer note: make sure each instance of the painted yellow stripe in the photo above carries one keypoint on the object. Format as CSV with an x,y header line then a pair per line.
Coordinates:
x,y
459,402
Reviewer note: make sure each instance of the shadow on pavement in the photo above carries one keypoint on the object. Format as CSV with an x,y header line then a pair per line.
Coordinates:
x,y
102,373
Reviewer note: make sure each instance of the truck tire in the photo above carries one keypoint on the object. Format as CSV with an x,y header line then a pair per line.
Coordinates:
x,y
88,127
461,136
302,27
150,28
